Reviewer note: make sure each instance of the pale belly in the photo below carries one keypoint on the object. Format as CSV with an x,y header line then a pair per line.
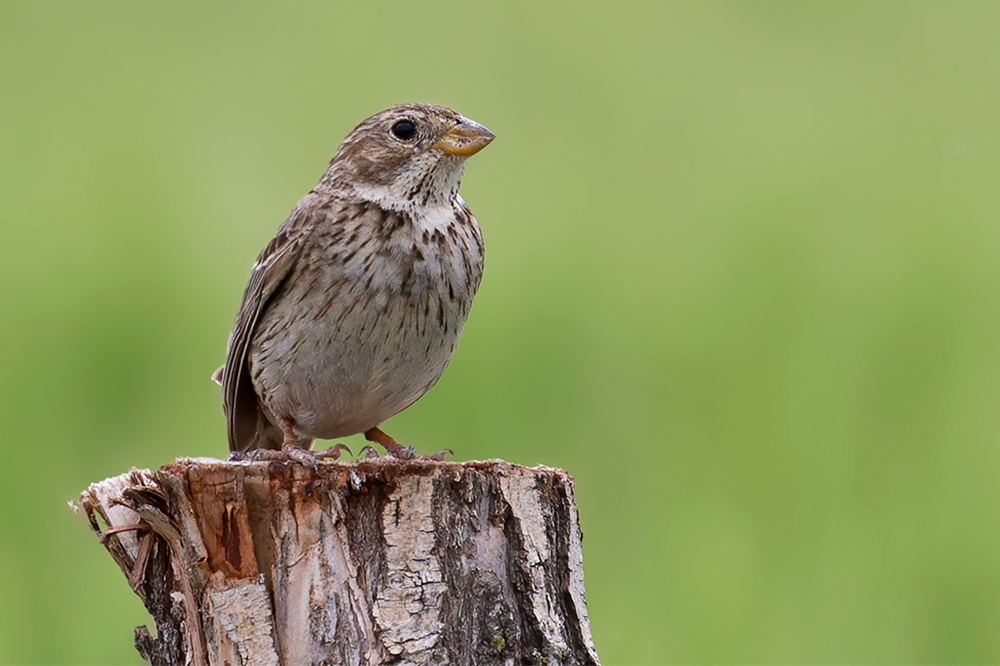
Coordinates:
x,y
362,357
334,383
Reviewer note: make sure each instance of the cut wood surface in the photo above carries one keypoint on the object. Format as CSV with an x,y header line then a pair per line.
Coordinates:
x,y
371,562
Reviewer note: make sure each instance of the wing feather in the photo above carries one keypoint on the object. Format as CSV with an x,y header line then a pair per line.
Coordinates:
x,y
244,419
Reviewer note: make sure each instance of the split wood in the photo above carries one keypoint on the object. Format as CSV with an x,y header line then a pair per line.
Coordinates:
x,y
359,563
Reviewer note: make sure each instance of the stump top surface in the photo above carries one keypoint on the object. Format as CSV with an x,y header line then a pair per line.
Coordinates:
x,y
384,468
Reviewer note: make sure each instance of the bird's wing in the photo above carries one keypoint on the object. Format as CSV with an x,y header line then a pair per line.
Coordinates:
x,y
239,400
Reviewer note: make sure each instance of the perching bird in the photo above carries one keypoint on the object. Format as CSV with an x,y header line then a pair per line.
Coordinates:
x,y
353,310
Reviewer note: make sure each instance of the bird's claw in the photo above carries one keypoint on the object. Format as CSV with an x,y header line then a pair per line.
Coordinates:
x,y
439,456
332,453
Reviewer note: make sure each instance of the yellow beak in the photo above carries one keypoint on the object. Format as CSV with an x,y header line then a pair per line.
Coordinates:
x,y
466,138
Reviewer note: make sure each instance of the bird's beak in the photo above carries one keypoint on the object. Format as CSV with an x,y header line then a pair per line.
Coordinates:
x,y
466,138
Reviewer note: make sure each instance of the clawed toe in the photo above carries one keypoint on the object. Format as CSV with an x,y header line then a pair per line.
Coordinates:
x,y
439,456
332,453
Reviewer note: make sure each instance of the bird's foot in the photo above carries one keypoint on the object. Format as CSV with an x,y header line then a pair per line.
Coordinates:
x,y
399,452
258,455
396,450
289,453
284,454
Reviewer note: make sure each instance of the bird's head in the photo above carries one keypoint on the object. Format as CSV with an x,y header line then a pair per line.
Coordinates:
x,y
408,156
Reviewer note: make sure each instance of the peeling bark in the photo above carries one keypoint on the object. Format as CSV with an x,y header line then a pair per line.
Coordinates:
x,y
362,563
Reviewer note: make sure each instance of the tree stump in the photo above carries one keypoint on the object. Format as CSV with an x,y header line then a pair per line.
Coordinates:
x,y
358,563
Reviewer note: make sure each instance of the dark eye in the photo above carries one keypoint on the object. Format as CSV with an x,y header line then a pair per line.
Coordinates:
x,y
404,130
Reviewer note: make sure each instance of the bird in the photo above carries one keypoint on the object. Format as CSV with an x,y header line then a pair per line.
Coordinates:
x,y
353,310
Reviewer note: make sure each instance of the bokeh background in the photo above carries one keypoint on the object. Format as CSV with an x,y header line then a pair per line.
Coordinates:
x,y
743,282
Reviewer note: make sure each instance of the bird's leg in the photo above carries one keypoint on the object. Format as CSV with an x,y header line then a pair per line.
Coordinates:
x,y
292,447
391,446
288,430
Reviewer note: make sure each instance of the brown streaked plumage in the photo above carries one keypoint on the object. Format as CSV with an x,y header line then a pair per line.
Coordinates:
x,y
353,310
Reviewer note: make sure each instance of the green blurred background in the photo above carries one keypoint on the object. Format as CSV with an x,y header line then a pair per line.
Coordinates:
x,y
742,282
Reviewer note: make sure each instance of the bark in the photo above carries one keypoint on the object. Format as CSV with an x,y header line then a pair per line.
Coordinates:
x,y
362,563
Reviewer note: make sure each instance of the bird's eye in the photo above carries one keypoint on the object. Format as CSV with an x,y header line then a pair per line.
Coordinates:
x,y
404,130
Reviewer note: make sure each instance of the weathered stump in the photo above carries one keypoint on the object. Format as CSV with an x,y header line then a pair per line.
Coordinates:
x,y
362,563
